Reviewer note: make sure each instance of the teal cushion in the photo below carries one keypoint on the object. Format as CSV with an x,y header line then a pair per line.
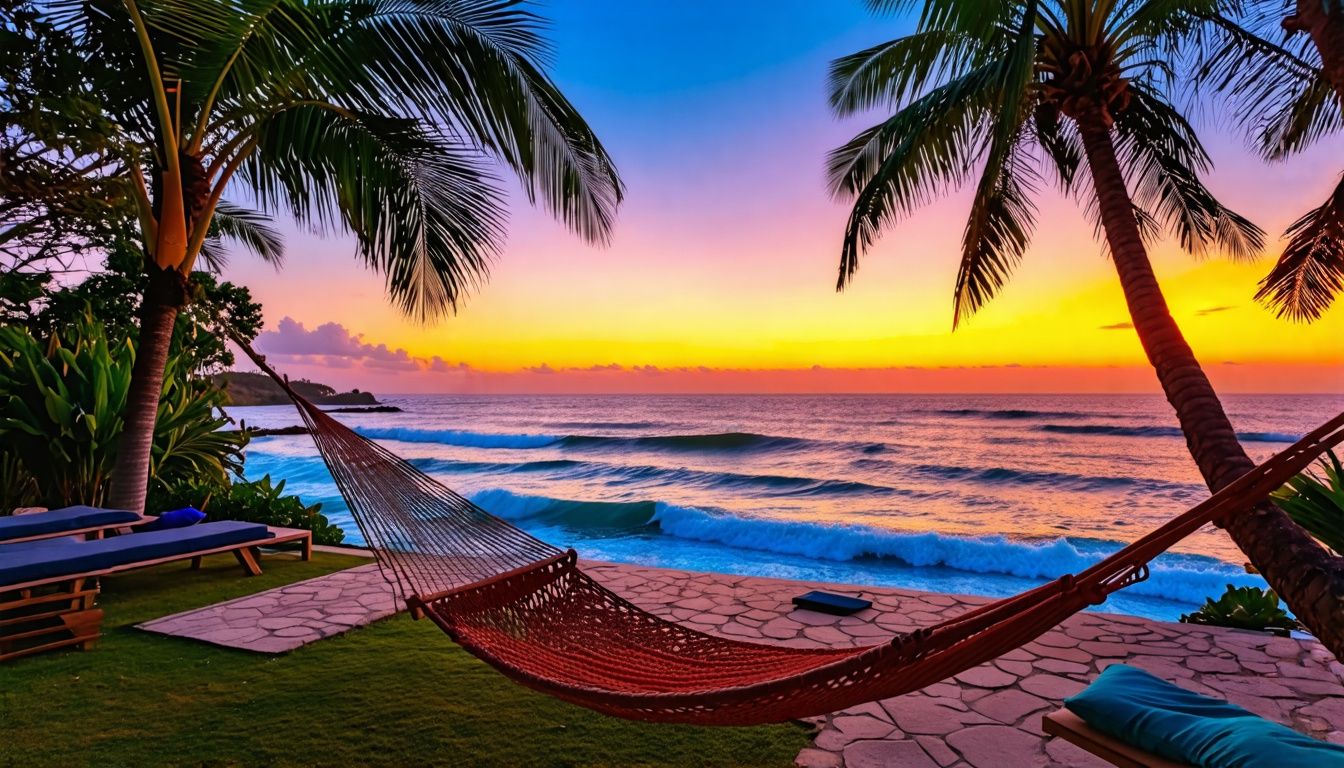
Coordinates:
x,y
1156,716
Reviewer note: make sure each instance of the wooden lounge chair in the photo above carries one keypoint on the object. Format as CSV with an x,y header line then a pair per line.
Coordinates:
x,y
1071,728
48,588
89,522
1136,720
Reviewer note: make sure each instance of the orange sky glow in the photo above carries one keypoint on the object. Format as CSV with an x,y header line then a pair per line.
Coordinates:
x,y
720,276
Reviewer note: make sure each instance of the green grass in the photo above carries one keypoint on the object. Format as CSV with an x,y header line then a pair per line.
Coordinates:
x,y
395,693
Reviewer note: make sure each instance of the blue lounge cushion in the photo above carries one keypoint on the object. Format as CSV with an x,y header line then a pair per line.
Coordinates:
x,y
1158,717
58,521
25,562
175,518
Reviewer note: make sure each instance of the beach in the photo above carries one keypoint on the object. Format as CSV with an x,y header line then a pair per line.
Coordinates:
x,y
988,716
970,494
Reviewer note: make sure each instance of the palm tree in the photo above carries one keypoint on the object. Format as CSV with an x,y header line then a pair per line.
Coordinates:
x,y
383,118
1287,95
1076,90
1323,22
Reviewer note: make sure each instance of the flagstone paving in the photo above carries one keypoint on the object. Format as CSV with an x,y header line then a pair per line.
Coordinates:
x,y
285,618
986,716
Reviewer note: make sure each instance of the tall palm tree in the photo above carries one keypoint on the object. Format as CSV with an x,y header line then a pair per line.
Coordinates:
x,y
1076,90
383,118
1287,94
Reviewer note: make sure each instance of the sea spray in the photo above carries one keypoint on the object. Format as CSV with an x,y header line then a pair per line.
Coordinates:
x,y
1180,578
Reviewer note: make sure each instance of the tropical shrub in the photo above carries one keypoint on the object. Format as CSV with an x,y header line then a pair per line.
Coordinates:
x,y
61,407
17,487
1317,502
1244,608
255,501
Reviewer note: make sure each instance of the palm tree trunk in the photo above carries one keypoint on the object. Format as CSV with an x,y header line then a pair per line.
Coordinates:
x,y
1307,577
1324,21
165,294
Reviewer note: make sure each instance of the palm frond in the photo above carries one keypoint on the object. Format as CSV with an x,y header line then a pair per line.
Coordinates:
x,y
895,167
1301,118
1164,159
491,91
891,72
1002,214
997,233
251,229
1061,145
1270,81
423,207
1310,272
977,18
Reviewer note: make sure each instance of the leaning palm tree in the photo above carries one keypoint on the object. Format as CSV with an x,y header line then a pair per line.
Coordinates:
x,y
1076,90
383,118
1286,89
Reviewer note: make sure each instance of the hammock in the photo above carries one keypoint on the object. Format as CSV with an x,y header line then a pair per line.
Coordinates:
x,y
526,608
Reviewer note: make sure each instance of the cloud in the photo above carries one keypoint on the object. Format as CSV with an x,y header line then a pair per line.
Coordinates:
x,y
1212,310
332,345
1117,327
439,365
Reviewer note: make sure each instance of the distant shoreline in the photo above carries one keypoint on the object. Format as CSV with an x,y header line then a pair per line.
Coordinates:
x,y
248,389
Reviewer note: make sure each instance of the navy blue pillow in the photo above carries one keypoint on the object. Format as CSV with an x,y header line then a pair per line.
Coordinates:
x,y
177,518
1156,716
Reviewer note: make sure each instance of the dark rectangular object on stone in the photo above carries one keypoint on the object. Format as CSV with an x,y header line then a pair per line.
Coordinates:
x,y
826,602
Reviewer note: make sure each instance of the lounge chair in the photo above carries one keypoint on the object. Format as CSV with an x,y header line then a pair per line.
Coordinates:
x,y
48,587
91,522
1134,720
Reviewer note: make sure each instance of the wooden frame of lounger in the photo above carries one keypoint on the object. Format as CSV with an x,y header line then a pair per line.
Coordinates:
x,y
1073,729
90,532
75,620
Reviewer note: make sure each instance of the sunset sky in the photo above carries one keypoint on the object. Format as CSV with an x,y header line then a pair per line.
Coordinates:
x,y
721,273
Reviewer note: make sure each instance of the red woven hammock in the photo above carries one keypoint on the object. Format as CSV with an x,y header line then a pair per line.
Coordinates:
x,y
527,609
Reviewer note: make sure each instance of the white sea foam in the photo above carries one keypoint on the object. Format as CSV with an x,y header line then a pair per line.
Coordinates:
x,y
1172,577
458,437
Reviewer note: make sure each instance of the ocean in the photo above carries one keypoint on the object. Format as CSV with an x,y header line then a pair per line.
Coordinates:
x,y
985,495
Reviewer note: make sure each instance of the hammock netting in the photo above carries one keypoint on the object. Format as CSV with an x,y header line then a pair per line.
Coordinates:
x,y
527,608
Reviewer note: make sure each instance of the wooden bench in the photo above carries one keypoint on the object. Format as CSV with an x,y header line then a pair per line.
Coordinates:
x,y
60,611
47,616
1073,729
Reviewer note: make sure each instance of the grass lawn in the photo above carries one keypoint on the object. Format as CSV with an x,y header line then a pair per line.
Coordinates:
x,y
395,693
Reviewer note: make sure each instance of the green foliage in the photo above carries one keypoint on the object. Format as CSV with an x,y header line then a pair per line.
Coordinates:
x,y
420,699
1243,608
255,501
1272,83
113,296
992,93
63,404
1316,502
63,192
17,487
384,118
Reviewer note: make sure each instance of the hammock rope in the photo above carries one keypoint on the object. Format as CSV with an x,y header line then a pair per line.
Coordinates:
x,y
526,607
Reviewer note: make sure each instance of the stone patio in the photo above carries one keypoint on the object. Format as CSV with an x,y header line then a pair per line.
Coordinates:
x,y
285,618
985,717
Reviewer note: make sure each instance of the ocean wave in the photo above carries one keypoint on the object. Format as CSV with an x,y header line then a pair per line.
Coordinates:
x,y
680,477
1114,430
458,437
584,515
720,441
1013,414
713,442
1069,480
430,465
618,425
1182,578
